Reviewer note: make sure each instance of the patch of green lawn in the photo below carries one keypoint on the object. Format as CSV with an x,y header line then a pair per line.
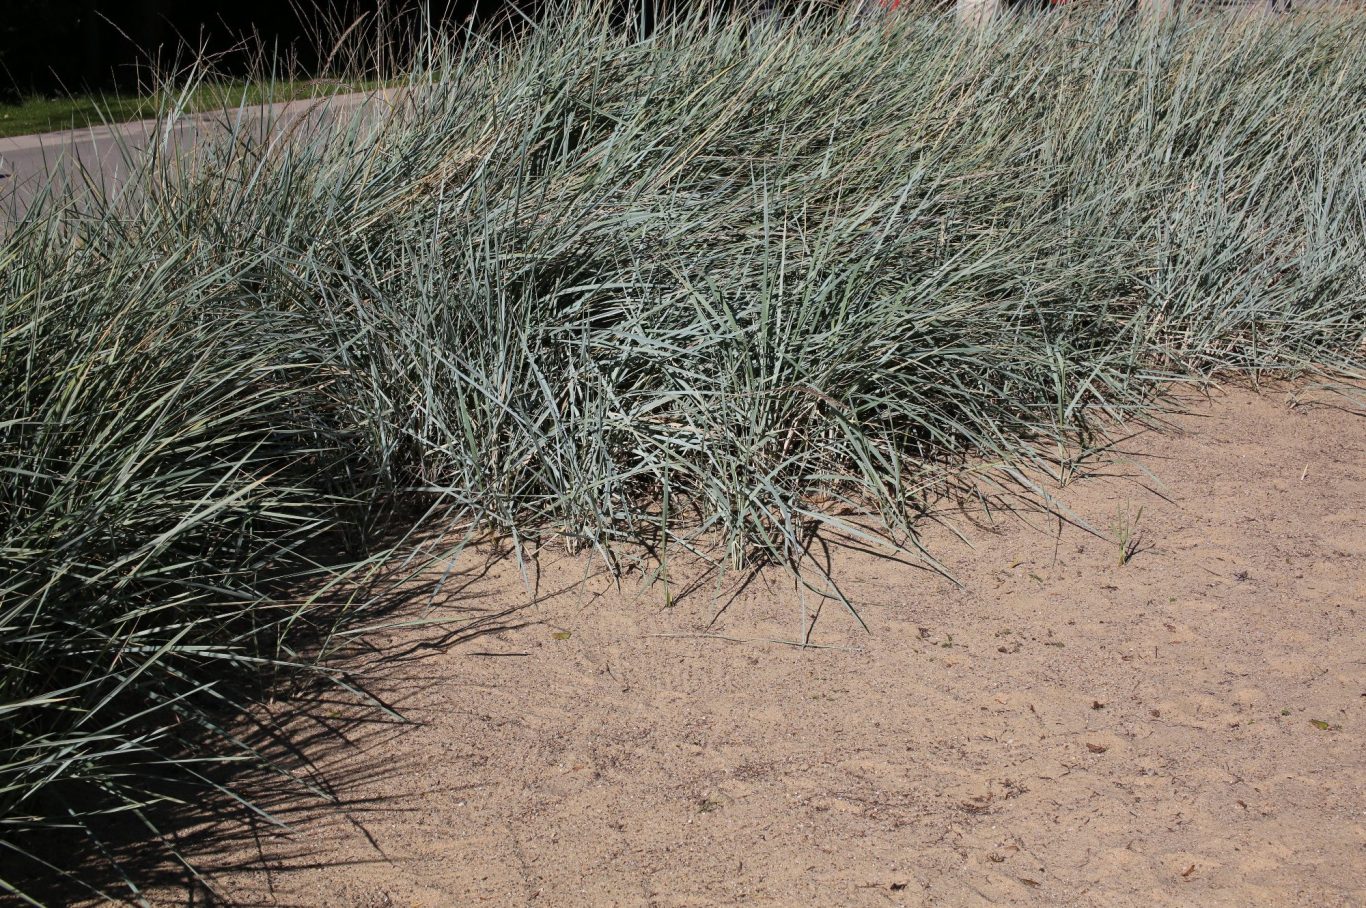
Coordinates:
x,y
39,114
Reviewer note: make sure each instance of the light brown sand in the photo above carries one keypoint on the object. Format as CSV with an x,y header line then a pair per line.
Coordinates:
x,y
1184,730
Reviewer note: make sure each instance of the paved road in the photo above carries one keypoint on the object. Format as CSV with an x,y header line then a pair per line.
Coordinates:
x,y
106,154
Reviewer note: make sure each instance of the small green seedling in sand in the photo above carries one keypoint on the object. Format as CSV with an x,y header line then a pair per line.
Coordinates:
x,y
1125,529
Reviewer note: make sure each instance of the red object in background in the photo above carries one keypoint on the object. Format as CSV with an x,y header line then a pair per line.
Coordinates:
x,y
890,4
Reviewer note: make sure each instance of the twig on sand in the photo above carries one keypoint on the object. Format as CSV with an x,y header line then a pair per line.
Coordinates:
x,y
797,643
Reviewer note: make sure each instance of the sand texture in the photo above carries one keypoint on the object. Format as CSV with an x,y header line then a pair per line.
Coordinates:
x,y
1185,729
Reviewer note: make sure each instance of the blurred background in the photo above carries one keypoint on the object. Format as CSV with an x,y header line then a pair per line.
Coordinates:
x,y
50,47
59,48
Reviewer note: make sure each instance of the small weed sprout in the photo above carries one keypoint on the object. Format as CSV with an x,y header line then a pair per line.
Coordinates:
x,y
1128,537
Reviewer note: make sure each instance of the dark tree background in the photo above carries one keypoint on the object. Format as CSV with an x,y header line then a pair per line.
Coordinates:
x,y
55,46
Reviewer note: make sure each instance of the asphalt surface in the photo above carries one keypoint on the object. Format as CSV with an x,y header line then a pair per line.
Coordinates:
x,y
69,162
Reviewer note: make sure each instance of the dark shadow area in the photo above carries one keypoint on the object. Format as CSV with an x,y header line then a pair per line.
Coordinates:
x,y
318,739
63,46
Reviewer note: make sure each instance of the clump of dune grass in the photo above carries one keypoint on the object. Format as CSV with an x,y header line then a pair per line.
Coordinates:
x,y
750,279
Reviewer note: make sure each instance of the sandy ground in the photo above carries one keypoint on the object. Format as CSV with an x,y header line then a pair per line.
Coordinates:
x,y
1186,729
